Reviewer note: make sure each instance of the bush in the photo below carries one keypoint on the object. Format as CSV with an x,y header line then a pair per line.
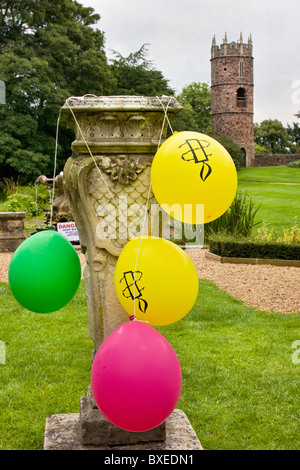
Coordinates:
x,y
295,164
9,185
21,203
227,246
238,220
289,235
262,245
233,148
30,199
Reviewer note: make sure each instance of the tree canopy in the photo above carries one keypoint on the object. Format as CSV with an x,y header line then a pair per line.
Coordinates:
x,y
196,114
272,137
136,75
48,52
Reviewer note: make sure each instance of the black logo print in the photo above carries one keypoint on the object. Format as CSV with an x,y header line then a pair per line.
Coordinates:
x,y
132,290
196,152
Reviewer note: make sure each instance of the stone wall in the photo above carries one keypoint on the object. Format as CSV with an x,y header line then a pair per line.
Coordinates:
x,y
277,159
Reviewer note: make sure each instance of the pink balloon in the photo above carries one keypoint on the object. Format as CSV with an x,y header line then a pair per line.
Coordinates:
x,y
136,377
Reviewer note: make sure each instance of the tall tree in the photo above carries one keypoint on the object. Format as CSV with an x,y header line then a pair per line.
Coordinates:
x,y
294,133
136,75
273,136
48,52
196,114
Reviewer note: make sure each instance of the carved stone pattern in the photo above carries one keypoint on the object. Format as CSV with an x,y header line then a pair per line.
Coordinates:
x,y
121,169
136,194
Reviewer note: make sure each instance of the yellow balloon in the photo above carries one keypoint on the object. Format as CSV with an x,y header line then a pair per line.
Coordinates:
x,y
155,281
192,169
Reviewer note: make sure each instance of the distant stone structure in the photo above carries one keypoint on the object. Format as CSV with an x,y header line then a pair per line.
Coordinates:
x,y
11,230
61,211
232,93
274,159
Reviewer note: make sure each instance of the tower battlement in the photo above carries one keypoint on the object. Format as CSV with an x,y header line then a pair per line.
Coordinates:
x,y
238,48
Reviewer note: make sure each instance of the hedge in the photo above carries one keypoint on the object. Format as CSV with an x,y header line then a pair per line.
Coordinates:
x,y
252,249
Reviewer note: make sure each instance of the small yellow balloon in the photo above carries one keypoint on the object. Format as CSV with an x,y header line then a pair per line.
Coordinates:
x,y
191,169
155,281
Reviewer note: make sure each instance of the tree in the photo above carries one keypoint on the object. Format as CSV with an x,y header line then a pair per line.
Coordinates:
x,y
136,75
48,52
196,114
233,148
273,136
294,133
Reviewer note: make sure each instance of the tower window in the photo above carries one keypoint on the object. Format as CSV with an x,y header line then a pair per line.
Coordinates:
x,y
241,97
242,69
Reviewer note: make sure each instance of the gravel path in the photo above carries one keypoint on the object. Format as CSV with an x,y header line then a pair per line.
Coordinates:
x,y
265,287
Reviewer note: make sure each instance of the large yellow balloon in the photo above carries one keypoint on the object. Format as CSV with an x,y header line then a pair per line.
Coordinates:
x,y
191,169
155,281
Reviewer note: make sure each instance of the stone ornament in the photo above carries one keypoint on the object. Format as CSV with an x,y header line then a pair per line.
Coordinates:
x,y
121,169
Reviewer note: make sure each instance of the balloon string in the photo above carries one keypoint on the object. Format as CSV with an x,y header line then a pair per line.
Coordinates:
x,y
54,171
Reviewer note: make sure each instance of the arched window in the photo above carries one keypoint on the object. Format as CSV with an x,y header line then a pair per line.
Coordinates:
x,y
241,97
242,69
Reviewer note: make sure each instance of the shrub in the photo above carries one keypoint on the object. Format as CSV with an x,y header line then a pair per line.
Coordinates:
x,y
264,235
9,185
228,246
238,220
233,148
295,164
21,203
30,199
291,235
262,245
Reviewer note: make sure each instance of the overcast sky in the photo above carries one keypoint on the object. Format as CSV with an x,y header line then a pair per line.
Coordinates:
x,y
180,33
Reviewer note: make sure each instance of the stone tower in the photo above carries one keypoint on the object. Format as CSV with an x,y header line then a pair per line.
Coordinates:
x,y
232,93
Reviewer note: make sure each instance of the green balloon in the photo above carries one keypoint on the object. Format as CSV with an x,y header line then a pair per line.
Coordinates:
x,y
44,272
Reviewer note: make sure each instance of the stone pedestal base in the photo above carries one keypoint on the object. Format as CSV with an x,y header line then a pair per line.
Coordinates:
x,y
96,430
62,432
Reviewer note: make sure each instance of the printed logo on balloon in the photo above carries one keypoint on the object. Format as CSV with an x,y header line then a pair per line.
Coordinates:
x,y
132,290
155,280
206,169
176,183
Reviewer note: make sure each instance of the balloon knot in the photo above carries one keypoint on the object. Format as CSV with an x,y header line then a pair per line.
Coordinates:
x,y
131,318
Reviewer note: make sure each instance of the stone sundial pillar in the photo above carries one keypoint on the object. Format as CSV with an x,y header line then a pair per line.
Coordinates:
x,y
116,138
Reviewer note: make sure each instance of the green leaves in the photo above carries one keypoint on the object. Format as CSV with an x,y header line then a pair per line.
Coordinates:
x,y
238,220
48,52
135,75
272,136
196,101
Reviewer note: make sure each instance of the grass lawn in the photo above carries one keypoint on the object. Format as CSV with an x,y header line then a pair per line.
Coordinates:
x,y
279,202
277,174
240,386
